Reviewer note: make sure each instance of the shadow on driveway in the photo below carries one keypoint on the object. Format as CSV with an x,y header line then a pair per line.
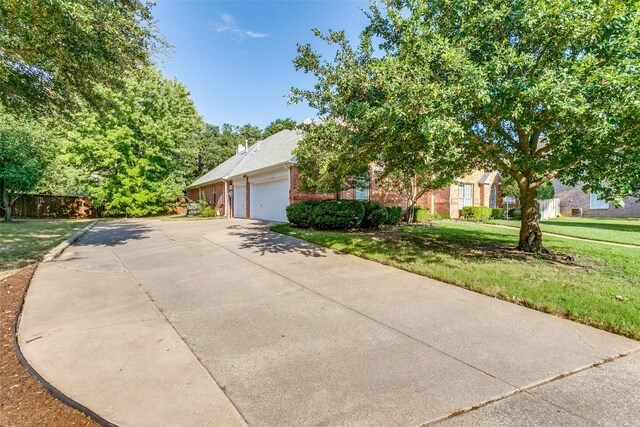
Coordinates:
x,y
114,233
257,236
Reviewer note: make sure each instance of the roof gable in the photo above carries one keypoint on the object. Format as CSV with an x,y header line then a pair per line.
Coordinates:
x,y
272,151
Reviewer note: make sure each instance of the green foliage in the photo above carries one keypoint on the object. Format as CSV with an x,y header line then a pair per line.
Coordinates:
x,y
515,213
375,214
23,158
394,215
475,213
546,191
58,53
497,213
439,217
327,161
300,214
141,154
214,146
421,214
535,89
338,214
205,210
278,125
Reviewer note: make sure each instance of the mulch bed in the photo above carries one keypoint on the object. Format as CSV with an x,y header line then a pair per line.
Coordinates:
x,y
23,400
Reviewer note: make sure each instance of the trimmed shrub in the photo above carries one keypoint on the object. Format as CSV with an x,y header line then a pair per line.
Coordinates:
x,y
497,213
205,210
475,213
394,215
300,214
338,214
420,214
438,217
515,213
374,215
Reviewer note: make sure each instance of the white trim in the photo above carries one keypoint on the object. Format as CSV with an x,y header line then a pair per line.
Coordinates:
x,y
262,170
603,203
264,181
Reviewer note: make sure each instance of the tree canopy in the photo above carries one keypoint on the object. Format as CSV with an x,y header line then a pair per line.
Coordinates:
x,y
55,54
535,89
140,155
278,125
23,158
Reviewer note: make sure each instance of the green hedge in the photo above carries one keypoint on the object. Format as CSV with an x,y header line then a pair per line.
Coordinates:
x,y
497,213
420,214
394,215
515,213
436,217
475,213
300,214
375,214
338,214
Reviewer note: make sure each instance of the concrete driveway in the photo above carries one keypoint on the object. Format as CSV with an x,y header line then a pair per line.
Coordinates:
x,y
275,331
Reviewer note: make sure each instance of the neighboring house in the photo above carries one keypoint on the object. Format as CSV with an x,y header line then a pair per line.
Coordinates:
x,y
260,181
574,198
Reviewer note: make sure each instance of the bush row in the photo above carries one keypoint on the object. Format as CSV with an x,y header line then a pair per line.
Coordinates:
x,y
478,213
422,214
342,214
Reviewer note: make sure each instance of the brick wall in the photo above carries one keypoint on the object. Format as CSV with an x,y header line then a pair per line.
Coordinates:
x,y
207,192
573,197
297,195
443,201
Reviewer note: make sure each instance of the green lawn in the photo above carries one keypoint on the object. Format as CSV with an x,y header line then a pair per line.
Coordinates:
x,y
618,230
598,285
23,242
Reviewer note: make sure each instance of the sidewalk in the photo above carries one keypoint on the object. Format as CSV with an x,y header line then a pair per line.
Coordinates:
x,y
562,236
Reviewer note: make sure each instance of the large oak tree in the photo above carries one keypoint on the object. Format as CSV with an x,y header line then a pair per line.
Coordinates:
x,y
537,89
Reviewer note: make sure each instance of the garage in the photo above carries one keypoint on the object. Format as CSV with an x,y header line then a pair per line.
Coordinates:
x,y
270,198
239,201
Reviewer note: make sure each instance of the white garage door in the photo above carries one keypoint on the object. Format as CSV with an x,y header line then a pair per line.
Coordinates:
x,y
239,201
270,199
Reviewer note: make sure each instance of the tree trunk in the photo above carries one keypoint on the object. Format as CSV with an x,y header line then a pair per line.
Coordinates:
x,y
411,212
6,202
530,233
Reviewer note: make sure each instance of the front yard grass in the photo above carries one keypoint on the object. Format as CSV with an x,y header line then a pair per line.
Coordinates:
x,y
23,242
595,284
617,230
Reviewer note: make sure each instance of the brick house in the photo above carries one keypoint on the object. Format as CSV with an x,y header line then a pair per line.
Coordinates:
x,y
573,197
260,181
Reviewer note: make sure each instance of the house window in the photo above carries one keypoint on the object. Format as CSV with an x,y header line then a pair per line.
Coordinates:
x,y
596,203
465,195
492,197
362,193
215,199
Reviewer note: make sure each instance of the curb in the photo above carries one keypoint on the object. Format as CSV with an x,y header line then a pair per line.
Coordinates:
x,y
58,250
50,388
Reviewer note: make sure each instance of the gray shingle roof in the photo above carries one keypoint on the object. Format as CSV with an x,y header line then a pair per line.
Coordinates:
x,y
272,151
484,179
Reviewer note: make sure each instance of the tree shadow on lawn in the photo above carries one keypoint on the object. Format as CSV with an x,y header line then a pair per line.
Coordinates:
x,y
257,236
431,245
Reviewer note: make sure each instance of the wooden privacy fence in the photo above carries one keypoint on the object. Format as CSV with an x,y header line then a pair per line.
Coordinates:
x,y
46,206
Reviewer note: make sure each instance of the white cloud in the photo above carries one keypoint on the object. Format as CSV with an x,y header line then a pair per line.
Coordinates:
x,y
229,26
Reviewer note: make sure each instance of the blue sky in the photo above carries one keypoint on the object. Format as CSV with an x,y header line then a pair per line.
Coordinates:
x,y
235,56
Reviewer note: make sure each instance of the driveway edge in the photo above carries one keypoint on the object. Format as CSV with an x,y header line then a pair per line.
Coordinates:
x,y
23,361
58,250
